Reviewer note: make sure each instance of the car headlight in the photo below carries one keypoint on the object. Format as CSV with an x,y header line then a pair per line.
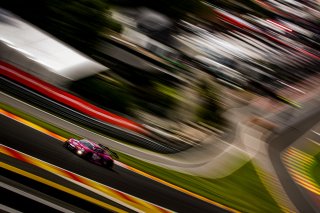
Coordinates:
x,y
80,151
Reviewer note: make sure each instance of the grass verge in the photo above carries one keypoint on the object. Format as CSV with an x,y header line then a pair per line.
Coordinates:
x,y
39,122
243,190
316,169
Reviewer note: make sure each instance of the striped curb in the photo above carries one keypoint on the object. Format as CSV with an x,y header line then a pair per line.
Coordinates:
x,y
60,187
41,129
300,165
122,198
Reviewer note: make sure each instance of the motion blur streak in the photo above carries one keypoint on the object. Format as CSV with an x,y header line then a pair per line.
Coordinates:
x,y
64,173
34,126
178,188
241,24
60,187
67,174
67,98
279,25
300,166
110,193
269,7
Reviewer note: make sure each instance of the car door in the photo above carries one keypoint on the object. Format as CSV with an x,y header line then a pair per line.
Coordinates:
x,y
98,154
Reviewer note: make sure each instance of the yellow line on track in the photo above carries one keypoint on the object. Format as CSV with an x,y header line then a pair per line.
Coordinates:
x,y
41,129
60,187
181,189
32,125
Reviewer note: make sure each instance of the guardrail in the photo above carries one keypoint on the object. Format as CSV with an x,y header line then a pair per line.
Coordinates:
x,y
67,99
43,102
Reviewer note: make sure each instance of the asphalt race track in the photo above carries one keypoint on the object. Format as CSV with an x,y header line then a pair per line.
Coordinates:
x,y
279,142
46,148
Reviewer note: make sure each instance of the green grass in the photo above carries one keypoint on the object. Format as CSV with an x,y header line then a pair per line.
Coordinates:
x,y
243,190
316,173
316,169
53,128
169,91
39,122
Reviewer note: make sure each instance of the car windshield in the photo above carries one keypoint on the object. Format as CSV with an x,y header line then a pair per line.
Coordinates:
x,y
99,150
86,143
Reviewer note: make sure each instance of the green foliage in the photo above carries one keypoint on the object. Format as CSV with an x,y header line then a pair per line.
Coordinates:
x,y
174,8
158,99
113,25
77,22
106,92
166,90
209,110
154,92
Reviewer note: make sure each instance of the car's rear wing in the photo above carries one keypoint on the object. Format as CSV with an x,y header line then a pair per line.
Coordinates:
x,y
112,153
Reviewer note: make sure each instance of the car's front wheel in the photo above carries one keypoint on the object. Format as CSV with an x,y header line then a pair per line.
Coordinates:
x,y
107,163
88,156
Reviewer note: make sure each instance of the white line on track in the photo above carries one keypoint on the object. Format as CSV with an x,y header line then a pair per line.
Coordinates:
x,y
33,197
8,209
89,187
317,133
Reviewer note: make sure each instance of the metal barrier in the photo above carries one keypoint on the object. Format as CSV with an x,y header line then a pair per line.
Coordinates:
x,y
57,108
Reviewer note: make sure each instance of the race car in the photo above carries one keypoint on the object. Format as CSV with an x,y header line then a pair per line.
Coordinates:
x,y
93,152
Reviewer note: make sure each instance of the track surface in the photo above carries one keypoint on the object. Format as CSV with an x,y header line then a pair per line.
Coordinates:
x,y
39,145
280,142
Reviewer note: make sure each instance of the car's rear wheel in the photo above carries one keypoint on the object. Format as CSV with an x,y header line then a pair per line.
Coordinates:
x,y
65,144
88,156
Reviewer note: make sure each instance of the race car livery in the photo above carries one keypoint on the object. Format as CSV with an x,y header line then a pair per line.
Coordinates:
x,y
93,152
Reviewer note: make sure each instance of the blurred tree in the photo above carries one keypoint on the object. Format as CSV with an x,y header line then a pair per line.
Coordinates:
x,y
158,19
210,110
76,22
173,8
105,91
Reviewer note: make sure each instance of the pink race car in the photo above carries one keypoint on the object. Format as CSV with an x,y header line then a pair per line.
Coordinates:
x,y
93,152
